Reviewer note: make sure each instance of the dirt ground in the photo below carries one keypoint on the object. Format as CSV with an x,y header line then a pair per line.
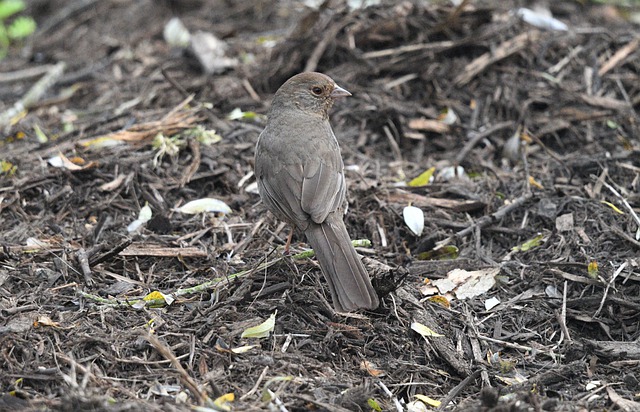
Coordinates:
x,y
544,124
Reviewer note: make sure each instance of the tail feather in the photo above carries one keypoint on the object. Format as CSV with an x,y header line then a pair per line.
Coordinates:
x,y
348,280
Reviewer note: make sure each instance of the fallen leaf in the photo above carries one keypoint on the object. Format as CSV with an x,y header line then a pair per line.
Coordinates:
x,y
143,217
447,252
612,206
62,162
371,369
529,244
448,116
423,179
204,205
429,125
466,284
429,401
414,219
424,330
44,320
262,330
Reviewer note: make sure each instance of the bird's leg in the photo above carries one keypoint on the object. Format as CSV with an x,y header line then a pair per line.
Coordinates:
x,y
288,244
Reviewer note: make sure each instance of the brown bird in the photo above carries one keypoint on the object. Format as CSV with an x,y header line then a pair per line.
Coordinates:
x,y
301,180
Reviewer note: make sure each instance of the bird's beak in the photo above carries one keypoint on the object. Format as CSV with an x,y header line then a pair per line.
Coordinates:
x,y
339,92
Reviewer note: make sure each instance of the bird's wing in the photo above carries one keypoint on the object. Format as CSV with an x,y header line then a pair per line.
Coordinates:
x,y
323,187
280,189
307,182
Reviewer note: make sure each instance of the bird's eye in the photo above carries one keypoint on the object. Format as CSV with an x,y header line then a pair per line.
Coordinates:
x,y
316,90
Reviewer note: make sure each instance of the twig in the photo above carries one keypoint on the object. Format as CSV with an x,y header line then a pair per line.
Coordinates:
x,y
64,14
477,136
400,80
327,406
624,202
252,92
562,316
622,234
619,56
503,51
507,344
560,65
166,352
318,51
185,94
81,255
392,142
33,95
191,170
435,46
458,388
257,384
606,289
391,396
626,405
240,246
24,74
203,287
111,253
489,219
450,21
525,162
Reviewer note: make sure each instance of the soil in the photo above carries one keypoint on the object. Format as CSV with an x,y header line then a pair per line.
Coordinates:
x,y
536,189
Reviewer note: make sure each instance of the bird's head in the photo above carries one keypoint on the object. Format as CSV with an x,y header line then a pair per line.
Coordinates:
x,y
313,93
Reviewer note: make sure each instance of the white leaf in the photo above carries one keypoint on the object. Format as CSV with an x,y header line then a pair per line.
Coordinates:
x,y
143,217
252,188
135,225
540,20
167,298
56,161
414,219
450,172
491,303
448,117
145,213
206,204
236,114
176,34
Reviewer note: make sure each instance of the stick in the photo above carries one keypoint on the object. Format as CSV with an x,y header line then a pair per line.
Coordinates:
x,y
33,95
503,51
487,220
619,56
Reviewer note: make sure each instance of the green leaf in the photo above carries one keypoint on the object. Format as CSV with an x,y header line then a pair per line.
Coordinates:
x,y
40,135
611,124
592,269
529,244
423,179
7,168
10,7
262,330
448,252
373,404
21,27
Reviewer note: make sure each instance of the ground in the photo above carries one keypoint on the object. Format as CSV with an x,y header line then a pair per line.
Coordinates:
x,y
541,125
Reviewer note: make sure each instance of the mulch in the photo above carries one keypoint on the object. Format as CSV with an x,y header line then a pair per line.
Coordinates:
x,y
544,135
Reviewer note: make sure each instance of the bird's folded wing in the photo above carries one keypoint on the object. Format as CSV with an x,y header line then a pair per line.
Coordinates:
x,y
323,189
281,191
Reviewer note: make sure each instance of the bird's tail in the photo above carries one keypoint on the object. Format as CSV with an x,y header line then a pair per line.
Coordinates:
x,y
347,278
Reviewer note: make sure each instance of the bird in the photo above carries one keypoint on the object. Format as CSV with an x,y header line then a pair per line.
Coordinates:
x,y
300,176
